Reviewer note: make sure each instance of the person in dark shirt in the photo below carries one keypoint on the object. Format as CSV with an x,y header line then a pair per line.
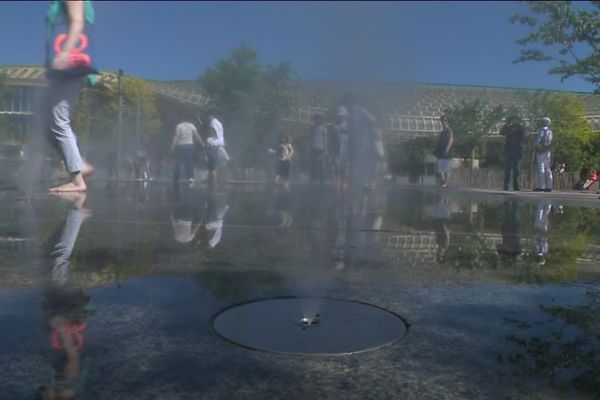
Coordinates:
x,y
513,150
443,151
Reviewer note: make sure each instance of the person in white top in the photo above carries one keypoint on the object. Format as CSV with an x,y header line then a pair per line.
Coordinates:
x,y
284,154
217,155
543,143
183,146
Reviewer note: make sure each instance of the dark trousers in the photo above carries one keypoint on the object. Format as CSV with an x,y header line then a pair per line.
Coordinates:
x,y
184,155
512,163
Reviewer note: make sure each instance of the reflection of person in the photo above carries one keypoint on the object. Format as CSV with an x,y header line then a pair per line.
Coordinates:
x,y
543,143
215,211
541,220
65,82
443,152
514,146
510,228
65,308
183,146
184,230
141,163
442,233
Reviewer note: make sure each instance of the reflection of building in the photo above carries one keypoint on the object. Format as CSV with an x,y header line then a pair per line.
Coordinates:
x,y
418,247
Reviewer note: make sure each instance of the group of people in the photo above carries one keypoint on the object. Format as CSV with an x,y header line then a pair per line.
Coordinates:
x,y
184,148
349,148
69,66
351,145
514,150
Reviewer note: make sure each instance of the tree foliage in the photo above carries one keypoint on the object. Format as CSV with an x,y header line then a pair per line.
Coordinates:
x,y
472,122
573,137
565,34
250,98
96,114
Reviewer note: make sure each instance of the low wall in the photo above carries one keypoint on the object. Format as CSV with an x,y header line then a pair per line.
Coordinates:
x,y
488,178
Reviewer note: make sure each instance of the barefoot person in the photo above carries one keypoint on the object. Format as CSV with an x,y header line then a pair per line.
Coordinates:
x,y
66,72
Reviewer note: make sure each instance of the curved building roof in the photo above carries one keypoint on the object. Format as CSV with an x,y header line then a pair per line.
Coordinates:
x,y
407,108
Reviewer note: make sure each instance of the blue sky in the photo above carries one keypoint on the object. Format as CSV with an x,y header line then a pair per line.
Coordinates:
x,y
469,43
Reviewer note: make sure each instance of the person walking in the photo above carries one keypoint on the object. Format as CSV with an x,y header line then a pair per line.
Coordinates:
x,y
514,146
183,147
66,71
543,143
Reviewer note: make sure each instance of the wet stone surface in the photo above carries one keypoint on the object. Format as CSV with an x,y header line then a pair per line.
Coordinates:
x,y
114,297
309,326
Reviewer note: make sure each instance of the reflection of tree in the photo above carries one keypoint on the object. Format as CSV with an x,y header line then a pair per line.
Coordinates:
x,y
238,284
468,249
567,354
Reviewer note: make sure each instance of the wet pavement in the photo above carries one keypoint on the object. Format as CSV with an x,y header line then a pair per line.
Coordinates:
x,y
113,296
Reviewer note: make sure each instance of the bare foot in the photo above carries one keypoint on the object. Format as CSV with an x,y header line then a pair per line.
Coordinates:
x,y
77,200
68,187
77,184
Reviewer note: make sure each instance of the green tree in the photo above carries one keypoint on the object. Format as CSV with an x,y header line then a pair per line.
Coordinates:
x,y
250,98
410,157
566,34
472,122
96,114
573,137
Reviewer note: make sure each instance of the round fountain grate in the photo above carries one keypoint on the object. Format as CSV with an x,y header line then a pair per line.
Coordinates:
x,y
309,325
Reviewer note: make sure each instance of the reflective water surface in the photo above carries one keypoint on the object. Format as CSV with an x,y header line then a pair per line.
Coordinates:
x,y
112,296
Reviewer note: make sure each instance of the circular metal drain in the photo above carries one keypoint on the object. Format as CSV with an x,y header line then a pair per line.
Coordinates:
x,y
309,325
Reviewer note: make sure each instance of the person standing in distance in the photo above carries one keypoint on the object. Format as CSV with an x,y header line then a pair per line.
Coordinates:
x,y
513,151
443,151
217,155
543,143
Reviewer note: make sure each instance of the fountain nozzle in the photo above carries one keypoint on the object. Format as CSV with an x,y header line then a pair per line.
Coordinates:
x,y
306,322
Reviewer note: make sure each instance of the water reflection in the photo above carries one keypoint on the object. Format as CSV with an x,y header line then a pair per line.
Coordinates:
x,y
541,220
184,221
561,351
465,270
510,228
65,307
442,233
216,209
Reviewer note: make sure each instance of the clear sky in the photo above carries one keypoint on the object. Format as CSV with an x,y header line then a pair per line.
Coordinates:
x,y
469,43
